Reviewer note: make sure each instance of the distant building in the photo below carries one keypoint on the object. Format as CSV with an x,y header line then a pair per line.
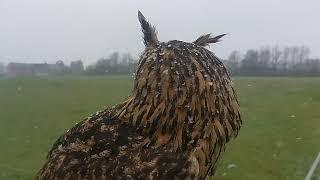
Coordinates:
x,y
57,68
77,67
19,69
26,69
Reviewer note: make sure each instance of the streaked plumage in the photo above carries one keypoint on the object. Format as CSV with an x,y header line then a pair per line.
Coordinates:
x,y
182,112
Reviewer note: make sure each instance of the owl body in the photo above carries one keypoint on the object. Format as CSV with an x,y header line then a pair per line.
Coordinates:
x,y
175,125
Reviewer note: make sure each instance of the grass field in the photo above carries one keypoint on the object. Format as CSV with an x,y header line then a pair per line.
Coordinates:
x,y
279,140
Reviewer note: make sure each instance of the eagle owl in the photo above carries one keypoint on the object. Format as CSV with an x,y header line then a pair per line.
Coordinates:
x,y
182,111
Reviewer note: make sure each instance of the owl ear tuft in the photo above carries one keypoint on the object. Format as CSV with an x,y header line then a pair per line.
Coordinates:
x,y
206,39
149,31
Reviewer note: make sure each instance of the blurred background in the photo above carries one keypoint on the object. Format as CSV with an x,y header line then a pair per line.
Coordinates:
x,y
63,60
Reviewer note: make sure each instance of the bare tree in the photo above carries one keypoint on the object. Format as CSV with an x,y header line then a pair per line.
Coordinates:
x,y
116,63
275,57
233,63
264,59
274,61
303,53
249,64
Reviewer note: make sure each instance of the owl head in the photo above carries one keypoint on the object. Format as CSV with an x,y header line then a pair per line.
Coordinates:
x,y
180,87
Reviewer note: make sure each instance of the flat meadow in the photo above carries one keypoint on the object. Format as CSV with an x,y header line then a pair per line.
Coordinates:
x,y
279,139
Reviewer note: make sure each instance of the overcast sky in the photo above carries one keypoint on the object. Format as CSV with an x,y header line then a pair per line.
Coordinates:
x,y
48,30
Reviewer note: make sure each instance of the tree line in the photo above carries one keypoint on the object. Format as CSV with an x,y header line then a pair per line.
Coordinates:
x,y
265,61
116,63
273,60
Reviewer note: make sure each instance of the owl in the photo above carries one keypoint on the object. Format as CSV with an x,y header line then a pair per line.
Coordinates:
x,y
182,112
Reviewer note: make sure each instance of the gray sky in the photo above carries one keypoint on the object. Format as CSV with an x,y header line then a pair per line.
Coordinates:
x,y
39,30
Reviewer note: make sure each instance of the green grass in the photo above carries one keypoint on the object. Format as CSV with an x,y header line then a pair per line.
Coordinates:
x,y
280,134
279,138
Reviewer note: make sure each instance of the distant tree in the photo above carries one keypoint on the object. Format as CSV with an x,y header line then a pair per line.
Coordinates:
x,y
2,67
77,67
275,58
114,64
285,60
313,66
294,58
130,62
301,67
264,60
103,66
274,61
91,70
303,53
249,64
233,62
114,59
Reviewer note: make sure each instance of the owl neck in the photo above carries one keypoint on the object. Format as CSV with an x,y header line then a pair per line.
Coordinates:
x,y
180,118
